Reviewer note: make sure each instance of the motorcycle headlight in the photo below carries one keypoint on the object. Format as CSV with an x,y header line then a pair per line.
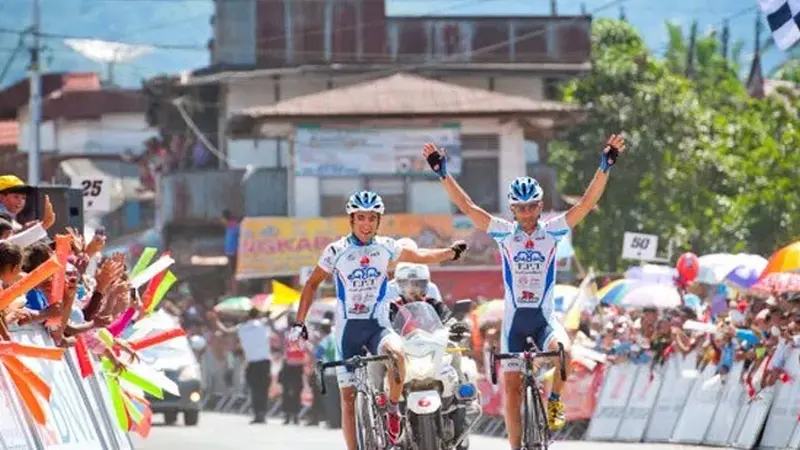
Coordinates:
x,y
190,372
420,366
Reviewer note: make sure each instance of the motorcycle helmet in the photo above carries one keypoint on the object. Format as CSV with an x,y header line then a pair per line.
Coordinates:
x,y
412,280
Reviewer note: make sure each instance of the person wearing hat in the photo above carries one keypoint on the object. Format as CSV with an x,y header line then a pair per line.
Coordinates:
x,y
13,196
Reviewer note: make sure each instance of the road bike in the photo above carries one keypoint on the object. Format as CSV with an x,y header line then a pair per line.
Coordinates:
x,y
370,403
535,431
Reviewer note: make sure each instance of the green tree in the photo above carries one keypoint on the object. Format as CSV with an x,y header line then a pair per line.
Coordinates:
x,y
697,146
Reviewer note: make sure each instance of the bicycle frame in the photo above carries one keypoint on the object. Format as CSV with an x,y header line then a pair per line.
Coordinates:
x,y
365,391
530,382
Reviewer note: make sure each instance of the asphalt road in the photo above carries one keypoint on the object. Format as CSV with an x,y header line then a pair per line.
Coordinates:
x,y
232,432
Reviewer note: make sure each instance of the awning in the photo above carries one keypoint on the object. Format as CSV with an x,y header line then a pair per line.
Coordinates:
x,y
124,177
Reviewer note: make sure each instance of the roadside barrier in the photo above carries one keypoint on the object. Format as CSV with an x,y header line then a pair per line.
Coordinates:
x,y
676,404
78,412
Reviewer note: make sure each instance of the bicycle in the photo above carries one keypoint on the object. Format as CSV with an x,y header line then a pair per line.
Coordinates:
x,y
535,431
370,422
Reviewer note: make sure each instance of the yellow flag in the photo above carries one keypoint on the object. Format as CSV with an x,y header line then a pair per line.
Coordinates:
x,y
572,320
283,294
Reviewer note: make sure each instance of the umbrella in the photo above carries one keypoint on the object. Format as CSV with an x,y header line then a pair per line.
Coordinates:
x,y
747,272
653,273
564,295
714,267
613,292
261,301
651,295
786,259
778,283
234,305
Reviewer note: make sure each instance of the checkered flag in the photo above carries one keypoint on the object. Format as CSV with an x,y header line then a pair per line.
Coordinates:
x,y
783,17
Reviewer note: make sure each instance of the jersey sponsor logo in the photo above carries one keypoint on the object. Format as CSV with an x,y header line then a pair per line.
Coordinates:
x,y
364,278
529,261
528,297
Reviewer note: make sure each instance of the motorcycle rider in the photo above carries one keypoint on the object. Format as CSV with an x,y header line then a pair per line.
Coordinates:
x,y
527,246
393,291
413,283
359,263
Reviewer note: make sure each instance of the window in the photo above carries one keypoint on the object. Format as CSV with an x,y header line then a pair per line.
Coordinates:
x,y
552,89
334,193
392,190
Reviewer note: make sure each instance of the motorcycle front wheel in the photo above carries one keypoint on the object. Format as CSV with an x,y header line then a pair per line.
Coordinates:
x,y
425,430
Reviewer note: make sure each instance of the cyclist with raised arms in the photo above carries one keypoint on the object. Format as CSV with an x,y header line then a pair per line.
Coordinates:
x,y
359,265
528,248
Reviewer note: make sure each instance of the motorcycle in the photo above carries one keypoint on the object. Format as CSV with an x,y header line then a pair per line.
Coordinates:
x,y
440,390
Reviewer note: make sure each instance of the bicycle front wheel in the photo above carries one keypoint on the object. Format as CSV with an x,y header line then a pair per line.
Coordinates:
x,y
365,426
536,434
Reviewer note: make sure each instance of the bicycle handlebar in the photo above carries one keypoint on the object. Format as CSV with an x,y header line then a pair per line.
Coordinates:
x,y
354,362
530,356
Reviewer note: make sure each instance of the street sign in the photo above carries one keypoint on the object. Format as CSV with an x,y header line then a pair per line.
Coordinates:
x,y
96,193
638,246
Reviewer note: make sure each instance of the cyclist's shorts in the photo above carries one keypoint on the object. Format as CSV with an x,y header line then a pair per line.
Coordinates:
x,y
528,322
357,334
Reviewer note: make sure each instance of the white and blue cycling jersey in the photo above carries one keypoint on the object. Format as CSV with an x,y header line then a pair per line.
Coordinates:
x,y
529,277
359,273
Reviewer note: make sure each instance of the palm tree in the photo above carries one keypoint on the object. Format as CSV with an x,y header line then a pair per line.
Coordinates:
x,y
789,68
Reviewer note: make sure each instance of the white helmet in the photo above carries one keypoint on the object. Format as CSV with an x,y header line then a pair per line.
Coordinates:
x,y
407,243
364,201
412,280
411,272
524,190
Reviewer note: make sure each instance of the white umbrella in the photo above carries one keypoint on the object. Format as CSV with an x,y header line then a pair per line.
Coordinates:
x,y
652,295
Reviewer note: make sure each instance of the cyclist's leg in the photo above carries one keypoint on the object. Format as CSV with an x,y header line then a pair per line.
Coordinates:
x,y
512,339
387,342
552,334
351,339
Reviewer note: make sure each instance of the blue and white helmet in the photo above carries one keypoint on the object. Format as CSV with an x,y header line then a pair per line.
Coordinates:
x,y
365,201
524,190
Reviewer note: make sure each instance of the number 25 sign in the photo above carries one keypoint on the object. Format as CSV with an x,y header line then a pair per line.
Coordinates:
x,y
639,246
96,193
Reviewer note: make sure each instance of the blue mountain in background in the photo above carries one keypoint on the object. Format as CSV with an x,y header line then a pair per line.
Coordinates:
x,y
184,26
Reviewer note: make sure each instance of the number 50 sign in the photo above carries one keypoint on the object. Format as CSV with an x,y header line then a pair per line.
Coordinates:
x,y
96,193
639,246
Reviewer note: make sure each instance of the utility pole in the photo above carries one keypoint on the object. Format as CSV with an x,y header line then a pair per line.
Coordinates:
x,y
35,105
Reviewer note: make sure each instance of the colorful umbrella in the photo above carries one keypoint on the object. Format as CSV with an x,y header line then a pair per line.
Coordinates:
x,y
613,292
234,305
747,272
786,259
777,283
714,267
261,301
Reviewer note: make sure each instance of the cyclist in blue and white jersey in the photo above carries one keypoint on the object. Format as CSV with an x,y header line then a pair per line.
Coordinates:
x,y
359,265
528,249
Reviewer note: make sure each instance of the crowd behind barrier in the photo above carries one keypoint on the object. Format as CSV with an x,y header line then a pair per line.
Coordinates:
x,y
79,411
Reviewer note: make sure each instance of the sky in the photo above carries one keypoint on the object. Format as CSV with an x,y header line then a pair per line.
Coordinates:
x,y
184,25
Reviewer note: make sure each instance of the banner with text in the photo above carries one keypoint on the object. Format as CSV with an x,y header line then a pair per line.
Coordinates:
x,y
282,246
341,152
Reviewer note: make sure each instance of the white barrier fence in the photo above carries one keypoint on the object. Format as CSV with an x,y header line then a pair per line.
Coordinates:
x,y
676,405
79,413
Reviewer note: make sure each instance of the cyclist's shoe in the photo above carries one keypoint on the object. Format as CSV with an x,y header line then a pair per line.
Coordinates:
x,y
393,426
555,415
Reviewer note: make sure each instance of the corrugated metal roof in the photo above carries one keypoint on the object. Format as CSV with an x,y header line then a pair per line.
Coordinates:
x,y
402,95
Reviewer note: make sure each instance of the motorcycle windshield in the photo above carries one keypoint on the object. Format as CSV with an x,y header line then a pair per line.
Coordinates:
x,y
416,316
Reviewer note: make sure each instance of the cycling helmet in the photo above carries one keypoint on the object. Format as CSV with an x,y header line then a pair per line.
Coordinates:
x,y
524,190
364,201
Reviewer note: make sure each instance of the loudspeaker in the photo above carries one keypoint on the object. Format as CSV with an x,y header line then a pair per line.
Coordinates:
x,y
67,204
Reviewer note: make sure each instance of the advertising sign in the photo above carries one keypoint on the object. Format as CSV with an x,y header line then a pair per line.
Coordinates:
x,y
343,152
282,246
